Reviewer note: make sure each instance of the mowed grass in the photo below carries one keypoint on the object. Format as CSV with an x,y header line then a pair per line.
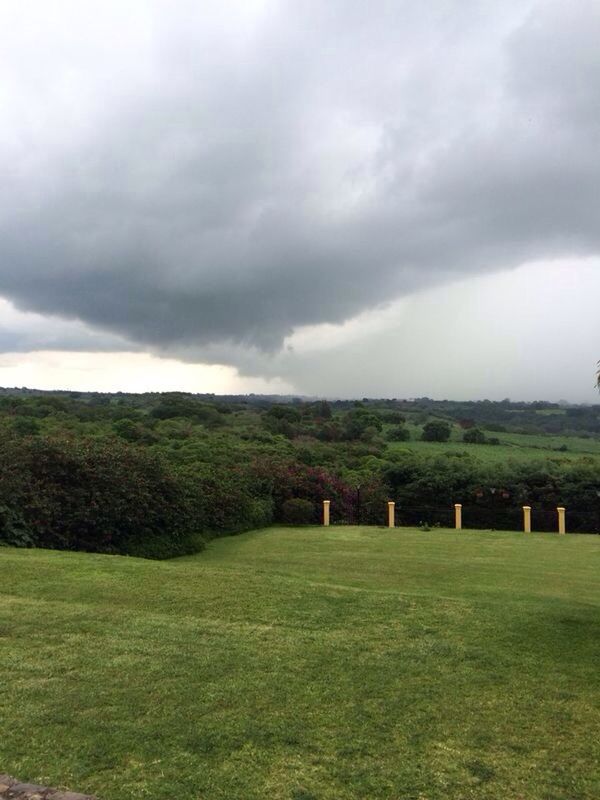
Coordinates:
x,y
308,664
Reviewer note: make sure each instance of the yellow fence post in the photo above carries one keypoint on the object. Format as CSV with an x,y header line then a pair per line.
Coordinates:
x,y
562,528
391,514
527,519
458,516
326,504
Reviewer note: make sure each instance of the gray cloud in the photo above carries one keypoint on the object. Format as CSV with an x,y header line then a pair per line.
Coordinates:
x,y
202,184
26,332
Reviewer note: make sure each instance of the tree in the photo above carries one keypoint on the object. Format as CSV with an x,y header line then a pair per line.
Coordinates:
x,y
398,434
128,429
436,431
359,420
26,426
178,404
318,410
474,436
282,420
287,413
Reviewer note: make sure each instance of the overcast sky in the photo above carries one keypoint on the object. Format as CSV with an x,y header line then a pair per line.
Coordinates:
x,y
332,198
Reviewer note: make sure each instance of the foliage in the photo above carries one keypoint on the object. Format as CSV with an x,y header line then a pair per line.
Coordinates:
x,y
393,417
361,423
399,433
474,436
25,426
162,546
298,511
287,480
90,495
235,461
134,431
288,413
180,405
320,410
436,431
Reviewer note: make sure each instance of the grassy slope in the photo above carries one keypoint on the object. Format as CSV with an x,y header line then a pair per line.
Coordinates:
x,y
299,664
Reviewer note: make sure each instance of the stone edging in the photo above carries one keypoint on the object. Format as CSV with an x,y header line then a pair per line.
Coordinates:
x,y
11,789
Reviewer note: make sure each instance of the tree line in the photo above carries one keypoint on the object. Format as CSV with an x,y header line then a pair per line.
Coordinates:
x,y
159,475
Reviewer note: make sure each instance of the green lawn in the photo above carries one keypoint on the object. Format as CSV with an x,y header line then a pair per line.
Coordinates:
x,y
308,664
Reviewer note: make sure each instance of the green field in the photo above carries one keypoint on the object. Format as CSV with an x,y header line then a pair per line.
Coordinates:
x,y
516,446
308,664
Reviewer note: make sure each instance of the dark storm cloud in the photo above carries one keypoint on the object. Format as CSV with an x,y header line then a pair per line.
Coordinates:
x,y
204,184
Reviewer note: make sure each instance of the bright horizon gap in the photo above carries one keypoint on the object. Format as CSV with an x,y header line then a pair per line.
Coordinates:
x,y
262,387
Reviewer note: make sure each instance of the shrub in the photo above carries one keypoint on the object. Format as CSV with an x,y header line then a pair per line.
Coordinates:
x,y
26,426
162,546
398,434
228,501
131,431
287,480
374,495
179,405
297,511
359,420
13,528
474,436
260,512
436,431
393,417
318,410
287,413
98,496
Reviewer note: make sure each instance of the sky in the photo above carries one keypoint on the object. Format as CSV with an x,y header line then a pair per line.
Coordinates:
x,y
339,199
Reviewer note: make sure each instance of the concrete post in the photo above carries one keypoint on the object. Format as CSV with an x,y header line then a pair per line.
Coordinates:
x,y
326,504
391,514
458,516
562,528
527,519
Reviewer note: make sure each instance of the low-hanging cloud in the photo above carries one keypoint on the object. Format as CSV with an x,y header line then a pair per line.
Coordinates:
x,y
204,183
